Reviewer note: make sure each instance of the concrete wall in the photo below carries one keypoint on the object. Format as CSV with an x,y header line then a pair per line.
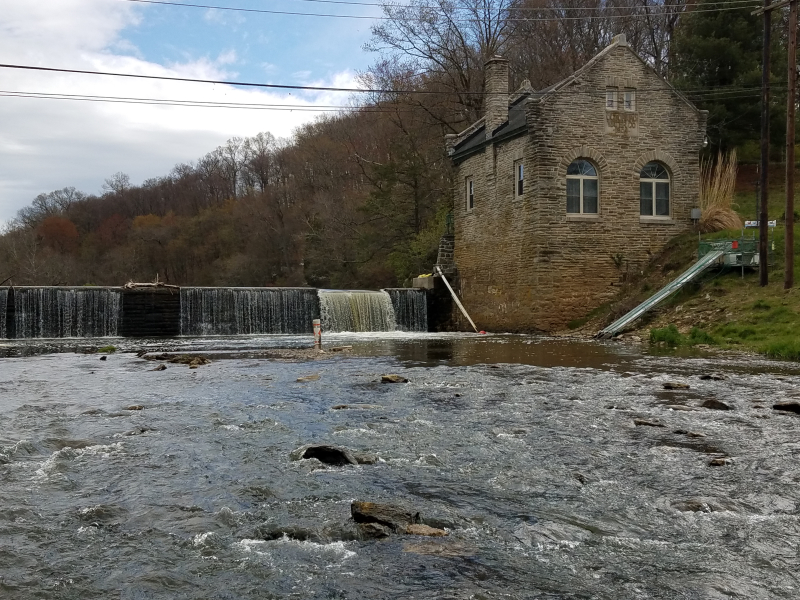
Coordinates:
x,y
528,265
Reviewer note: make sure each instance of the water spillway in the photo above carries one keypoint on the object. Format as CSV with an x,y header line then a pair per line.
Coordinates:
x,y
356,310
3,312
170,311
243,311
410,308
55,312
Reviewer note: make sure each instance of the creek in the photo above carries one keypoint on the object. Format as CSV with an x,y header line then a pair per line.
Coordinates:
x,y
560,470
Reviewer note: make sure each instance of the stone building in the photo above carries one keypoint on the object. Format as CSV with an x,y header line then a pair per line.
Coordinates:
x,y
559,194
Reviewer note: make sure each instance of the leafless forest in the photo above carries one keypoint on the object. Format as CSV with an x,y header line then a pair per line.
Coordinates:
x,y
360,198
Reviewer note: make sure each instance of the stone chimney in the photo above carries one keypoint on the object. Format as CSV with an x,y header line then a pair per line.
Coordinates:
x,y
496,89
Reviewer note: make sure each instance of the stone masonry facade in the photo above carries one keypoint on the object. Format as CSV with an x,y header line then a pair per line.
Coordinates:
x,y
526,264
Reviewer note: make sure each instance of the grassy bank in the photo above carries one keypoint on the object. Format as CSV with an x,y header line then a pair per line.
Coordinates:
x,y
727,308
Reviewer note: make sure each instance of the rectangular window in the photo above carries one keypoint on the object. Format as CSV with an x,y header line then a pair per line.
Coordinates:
x,y
646,198
573,195
470,194
590,196
611,98
519,179
662,199
629,100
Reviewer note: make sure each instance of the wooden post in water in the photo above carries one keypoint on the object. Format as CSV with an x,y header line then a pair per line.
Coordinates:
x,y
317,334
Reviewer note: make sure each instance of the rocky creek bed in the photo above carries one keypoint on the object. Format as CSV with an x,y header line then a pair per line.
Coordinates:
x,y
504,467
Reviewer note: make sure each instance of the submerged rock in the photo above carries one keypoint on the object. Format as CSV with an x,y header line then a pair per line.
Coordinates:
x,y
675,385
135,407
161,367
787,407
308,378
714,404
646,423
719,462
393,379
420,529
702,505
712,377
355,406
396,518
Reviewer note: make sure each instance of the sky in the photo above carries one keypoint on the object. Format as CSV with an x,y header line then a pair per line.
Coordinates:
x,y
49,144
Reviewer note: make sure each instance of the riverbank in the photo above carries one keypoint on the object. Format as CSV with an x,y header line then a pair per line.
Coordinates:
x,y
726,308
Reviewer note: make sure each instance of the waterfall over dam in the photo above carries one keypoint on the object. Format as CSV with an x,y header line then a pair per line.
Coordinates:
x,y
356,310
168,311
246,311
410,308
3,310
52,312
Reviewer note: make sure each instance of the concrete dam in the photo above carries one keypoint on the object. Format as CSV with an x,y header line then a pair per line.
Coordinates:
x,y
168,311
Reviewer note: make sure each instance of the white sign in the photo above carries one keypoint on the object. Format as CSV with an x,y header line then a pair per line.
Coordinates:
x,y
753,224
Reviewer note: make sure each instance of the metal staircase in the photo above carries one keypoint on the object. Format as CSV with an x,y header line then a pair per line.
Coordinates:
x,y
696,269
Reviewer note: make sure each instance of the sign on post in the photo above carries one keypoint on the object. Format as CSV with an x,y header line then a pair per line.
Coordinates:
x,y
754,224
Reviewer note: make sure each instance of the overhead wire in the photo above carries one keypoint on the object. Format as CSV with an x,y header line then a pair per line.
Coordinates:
x,y
747,4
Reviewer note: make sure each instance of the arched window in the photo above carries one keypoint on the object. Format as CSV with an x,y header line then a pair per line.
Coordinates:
x,y
582,187
654,190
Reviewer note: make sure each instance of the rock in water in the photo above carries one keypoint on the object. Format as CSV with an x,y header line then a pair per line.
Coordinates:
x,y
674,385
712,377
307,378
716,405
396,518
787,407
421,529
330,455
393,379
646,423
161,367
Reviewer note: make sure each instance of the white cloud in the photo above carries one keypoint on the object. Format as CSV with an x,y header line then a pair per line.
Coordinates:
x,y
50,144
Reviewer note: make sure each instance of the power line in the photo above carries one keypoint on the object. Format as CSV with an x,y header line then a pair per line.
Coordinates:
x,y
312,88
646,14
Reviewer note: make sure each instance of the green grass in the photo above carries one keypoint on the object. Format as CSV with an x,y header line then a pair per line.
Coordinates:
x,y
670,337
107,349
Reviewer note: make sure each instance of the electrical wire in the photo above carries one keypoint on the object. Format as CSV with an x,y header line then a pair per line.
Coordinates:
x,y
320,88
425,18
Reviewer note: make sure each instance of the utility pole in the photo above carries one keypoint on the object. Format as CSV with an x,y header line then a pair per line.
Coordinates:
x,y
763,218
788,274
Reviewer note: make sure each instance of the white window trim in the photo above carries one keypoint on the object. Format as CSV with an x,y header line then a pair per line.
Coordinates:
x,y
612,94
469,191
519,164
632,92
582,178
654,218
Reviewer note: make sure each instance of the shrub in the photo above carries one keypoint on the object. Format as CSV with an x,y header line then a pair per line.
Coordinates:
x,y
698,336
668,336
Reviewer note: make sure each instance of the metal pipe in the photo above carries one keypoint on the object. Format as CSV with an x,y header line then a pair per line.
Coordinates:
x,y
461,306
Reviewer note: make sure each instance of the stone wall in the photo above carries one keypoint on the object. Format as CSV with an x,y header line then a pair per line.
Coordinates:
x,y
525,264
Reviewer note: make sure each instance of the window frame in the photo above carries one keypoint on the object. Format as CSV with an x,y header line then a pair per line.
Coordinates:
x,y
652,182
612,96
519,179
581,178
469,191
625,94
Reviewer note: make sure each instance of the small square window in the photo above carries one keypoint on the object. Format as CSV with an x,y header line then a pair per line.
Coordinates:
x,y
519,179
611,98
470,194
629,100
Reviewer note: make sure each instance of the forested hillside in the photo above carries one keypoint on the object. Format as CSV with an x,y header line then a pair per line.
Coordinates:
x,y
359,198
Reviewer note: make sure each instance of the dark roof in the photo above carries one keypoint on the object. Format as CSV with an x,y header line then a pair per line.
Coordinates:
x,y
515,125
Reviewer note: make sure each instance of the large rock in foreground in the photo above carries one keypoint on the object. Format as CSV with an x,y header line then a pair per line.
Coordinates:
x,y
379,520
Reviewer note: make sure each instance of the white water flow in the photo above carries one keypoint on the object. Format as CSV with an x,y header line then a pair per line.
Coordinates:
x,y
355,310
3,307
410,308
246,311
48,312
